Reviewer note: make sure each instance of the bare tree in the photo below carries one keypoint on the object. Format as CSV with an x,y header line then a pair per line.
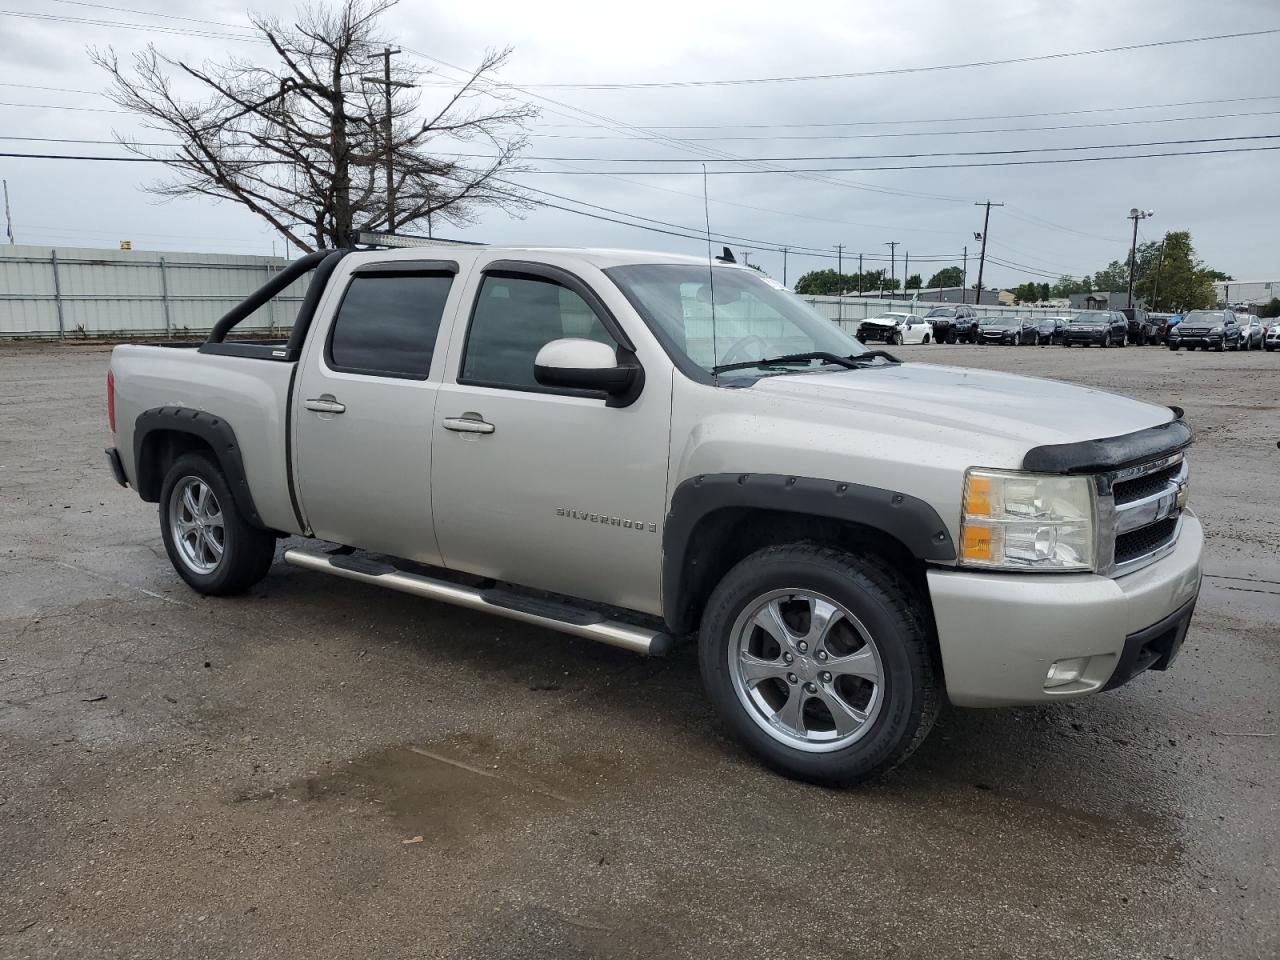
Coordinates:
x,y
305,143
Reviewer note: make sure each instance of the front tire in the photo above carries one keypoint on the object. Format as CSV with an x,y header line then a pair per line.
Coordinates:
x,y
211,545
819,662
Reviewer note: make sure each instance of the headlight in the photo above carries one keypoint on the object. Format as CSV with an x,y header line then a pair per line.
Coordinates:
x,y
1027,521
1216,330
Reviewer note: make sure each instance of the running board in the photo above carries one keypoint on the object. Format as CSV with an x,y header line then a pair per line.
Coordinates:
x,y
543,613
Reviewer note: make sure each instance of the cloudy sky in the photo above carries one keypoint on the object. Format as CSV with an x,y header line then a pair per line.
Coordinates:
x,y
1058,218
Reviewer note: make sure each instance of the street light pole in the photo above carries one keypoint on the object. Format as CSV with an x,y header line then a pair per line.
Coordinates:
x,y
893,263
1135,215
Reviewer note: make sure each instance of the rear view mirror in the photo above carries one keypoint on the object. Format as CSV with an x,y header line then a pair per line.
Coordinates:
x,y
573,363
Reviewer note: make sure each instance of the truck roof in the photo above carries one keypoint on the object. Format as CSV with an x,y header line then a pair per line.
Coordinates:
x,y
599,256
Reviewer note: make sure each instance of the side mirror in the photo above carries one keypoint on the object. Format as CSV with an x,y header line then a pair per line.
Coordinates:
x,y
573,363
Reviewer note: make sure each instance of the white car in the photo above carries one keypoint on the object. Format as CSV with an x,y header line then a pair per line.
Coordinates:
x,y
896,328
1272,339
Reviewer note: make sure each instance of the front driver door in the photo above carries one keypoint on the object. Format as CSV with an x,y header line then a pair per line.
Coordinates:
x,y
548,488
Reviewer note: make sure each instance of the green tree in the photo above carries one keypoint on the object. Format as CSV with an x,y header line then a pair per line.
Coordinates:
x,y
1028,292
947,277
913,282
1271,309
820,283
1178,280
1067,286
1113,279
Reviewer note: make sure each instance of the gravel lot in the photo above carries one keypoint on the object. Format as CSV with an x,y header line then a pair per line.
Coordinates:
x,y
319,769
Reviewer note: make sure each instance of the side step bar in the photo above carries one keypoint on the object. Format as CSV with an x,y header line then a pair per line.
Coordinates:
x,y
542,613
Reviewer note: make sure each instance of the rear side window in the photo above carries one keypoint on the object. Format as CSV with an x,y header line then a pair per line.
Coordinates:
x,y
514,318
388,323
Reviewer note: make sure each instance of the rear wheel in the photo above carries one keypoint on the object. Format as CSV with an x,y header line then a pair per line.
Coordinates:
x,y
926,339
208,541
818,660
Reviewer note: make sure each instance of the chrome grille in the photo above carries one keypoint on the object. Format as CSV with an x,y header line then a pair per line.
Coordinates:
x,y
1140,513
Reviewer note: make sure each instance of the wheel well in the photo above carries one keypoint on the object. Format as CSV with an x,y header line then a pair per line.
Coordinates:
x,y
724,537
159,450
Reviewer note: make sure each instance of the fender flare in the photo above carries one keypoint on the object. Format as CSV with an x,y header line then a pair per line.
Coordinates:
x,y
909,520
214,431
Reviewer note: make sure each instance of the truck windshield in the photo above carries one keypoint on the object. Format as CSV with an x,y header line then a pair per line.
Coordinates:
x,y
753,319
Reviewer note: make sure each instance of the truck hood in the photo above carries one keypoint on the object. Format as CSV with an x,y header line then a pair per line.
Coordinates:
x,y
1023,410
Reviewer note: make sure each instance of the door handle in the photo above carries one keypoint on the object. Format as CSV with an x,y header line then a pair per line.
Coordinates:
x,y
325,404
467,425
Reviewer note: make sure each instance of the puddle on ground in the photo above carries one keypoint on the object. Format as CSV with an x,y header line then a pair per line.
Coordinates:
x,y
427,794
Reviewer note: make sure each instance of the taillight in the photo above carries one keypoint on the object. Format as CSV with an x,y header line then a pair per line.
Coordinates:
x,y
111,400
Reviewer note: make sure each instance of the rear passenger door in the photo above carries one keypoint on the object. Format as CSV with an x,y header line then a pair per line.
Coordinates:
x,y
545,487
364,404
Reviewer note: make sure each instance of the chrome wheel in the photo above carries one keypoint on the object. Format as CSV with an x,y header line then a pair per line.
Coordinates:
x,y
195,522
806,670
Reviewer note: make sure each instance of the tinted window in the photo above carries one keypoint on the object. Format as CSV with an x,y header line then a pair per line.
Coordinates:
x,y
514,318
388,323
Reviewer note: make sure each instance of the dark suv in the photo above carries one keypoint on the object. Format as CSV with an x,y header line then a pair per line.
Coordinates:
x,y
1104,327
1141,328
955,324
1207,329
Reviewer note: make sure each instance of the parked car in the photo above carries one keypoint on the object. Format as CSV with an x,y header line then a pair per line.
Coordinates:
x,y
1014,330
954,324
790,505
1207,329
1050,329
1272,341
1160,321
1141,329
896,328
1252,332
1103,327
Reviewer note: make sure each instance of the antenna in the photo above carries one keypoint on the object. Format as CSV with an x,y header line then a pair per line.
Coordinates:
x,y
711,274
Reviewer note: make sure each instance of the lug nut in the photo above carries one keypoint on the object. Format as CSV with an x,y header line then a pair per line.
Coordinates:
x,y
811,687
825,677
792,678
787,658
802,646
822,655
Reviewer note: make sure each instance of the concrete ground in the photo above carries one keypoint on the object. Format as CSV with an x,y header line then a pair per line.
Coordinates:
x,y
319,769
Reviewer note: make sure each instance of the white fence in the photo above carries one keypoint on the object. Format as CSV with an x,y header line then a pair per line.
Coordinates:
x,y
73,293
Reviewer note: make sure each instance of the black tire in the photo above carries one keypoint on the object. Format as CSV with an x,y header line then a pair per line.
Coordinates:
x,y
1219,348
1173,347
886,605
895,339
1124,340
247,551
1106,341
926,339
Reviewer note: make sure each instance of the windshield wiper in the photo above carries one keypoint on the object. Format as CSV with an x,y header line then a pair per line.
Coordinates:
x,y
849,363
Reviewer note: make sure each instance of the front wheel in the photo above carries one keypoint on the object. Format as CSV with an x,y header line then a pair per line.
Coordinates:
x,y
819,662
895,339
209,542
926,339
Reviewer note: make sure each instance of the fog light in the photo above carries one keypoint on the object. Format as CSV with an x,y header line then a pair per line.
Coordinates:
x,y
1066,671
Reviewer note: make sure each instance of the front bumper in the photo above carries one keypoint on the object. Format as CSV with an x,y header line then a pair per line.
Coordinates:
x,y
1099,336
1000,633
1198,340
879,334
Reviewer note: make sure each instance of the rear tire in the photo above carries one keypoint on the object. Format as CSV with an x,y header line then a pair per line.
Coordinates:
x,y
211,545
833,705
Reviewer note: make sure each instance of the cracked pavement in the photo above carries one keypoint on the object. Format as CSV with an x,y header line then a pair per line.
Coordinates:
x,y
320,769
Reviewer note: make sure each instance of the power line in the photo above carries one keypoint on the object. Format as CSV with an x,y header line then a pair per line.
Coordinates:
x,y
898,71
987,116
937,133
57,106
151,13
144,27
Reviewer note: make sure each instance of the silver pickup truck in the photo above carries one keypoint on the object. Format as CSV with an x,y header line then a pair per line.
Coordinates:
x,y
635,447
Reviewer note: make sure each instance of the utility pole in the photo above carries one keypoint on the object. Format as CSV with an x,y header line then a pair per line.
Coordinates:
x,y
1135,215
906,270
8,218
784,266
1155,281
982,257
388,135
859,274
893,263
840,262
746,258
964,280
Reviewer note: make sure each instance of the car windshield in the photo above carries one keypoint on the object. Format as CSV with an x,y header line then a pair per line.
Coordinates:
x,y
1086,318
752,319
942,312
889,318
1204,316
1004,322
